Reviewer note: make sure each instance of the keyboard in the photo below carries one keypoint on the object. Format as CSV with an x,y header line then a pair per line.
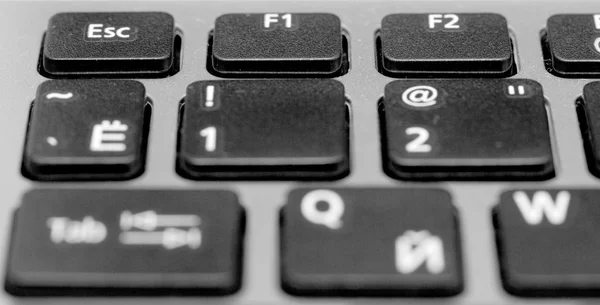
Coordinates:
x,y
333,152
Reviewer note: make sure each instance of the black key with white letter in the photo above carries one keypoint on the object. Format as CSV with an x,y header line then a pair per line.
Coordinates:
x,y
124,242
448,44
548,242
370,242
466,130
264,129
573,45
136,43
87,130
588,109
278,44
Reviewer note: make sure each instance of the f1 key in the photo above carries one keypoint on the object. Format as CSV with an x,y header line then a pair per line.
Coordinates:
x,y
278,45
446,44
126,242
466,130
134,43
370,242
548,242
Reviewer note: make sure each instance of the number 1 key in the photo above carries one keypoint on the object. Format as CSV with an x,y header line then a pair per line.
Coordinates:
x,y
466,130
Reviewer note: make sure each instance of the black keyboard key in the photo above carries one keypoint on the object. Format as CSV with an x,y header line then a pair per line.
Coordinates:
x,y
548,242
117,242
588,109
139,43
573,42
274,44
370,242
446,44
466,130
264,129
87,130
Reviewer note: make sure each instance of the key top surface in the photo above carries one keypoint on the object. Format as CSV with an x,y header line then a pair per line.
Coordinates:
x,y
466,129
264,129
140,43
588,109
547,242
446,44
375,242
87,130
115,242
574,44
274,43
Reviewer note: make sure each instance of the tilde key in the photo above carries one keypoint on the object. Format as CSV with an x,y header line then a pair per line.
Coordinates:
x,y
117,242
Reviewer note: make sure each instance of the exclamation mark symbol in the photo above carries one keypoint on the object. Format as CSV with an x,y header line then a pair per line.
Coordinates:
x,y
210,96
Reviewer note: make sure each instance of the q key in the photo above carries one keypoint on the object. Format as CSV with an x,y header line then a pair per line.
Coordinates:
x,y
330,247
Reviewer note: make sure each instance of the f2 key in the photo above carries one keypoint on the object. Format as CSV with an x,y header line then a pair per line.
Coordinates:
x,y
466,130
446,44
278,44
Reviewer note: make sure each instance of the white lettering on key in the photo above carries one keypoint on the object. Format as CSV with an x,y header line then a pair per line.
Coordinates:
x,y
541,204
150,220
275,19
108,132
597,21
420,96
415,248
170,238
93,29
100,31
434,19
86,231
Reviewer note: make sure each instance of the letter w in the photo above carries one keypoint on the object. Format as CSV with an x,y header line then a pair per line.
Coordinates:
x,y
533,211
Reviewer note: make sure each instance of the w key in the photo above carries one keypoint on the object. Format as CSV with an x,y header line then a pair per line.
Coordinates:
x,y
548,242
466,130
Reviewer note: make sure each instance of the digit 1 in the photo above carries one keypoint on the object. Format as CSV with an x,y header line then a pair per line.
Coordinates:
x,y
288,20
210,133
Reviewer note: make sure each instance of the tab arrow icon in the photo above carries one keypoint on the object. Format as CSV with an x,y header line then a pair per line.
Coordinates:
x,y
150,220
170,238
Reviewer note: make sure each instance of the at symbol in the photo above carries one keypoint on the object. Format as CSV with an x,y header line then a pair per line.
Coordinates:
x,y
420,96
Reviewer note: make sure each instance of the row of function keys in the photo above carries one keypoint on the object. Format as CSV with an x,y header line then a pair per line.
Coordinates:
x,y
310,45
474,129
97,242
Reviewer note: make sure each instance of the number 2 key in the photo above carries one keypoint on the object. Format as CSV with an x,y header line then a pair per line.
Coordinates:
x,y
466,130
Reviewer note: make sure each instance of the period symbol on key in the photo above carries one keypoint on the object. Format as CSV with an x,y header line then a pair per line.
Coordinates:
x,y
109,136
420,96
417,248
